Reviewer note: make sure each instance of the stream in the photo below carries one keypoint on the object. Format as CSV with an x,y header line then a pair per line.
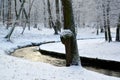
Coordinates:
x,y
33,54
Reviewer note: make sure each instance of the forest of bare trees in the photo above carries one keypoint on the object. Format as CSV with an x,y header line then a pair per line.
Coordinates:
x,y
99,14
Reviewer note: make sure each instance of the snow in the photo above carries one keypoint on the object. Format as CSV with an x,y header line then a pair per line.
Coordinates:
x,y
93,48
66,33
12,68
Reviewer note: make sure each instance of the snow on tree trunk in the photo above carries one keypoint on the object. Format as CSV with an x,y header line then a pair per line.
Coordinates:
x,y
70,24
68,39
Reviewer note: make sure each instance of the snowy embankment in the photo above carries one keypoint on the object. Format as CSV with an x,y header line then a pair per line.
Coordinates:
x,y
12,68
91,48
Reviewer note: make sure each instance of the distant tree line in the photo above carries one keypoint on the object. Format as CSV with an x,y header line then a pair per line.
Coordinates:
x,y
26,13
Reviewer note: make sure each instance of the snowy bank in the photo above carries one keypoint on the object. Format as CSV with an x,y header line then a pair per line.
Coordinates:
x,y
93,48
12,68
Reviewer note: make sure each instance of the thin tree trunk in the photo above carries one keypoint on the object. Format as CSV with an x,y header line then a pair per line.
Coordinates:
x,y
44,13
29,15
35,18
9,14
24,28
108,22
57,23
118,33
50,14
104,17
26,16
51,23
118,30
3,12
0,10
17,18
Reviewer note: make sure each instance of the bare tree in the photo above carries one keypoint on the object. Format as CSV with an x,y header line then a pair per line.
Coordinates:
x,y
118,30
117,8
57,23
17,18
106,17
27,15
9,15
44,12
108,21
3,11
35,18
0,10
51,23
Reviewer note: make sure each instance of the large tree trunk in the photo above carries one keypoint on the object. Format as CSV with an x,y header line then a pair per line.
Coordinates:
x,y
69,24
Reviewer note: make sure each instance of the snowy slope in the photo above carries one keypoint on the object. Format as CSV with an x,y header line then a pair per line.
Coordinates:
x,y
93,48
12,68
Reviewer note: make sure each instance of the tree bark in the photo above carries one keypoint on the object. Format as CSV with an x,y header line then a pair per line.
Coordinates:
x,y
118,30
108,22
44,13
106,14
29,12
69,24
104,17
9,14
17,18
57,23
3,12
51,23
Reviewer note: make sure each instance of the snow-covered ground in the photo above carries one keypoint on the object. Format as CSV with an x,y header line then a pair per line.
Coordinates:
x,y
93,48
12,68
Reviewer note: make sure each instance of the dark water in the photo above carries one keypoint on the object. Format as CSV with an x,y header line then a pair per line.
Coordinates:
x,y
104,71
60,62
